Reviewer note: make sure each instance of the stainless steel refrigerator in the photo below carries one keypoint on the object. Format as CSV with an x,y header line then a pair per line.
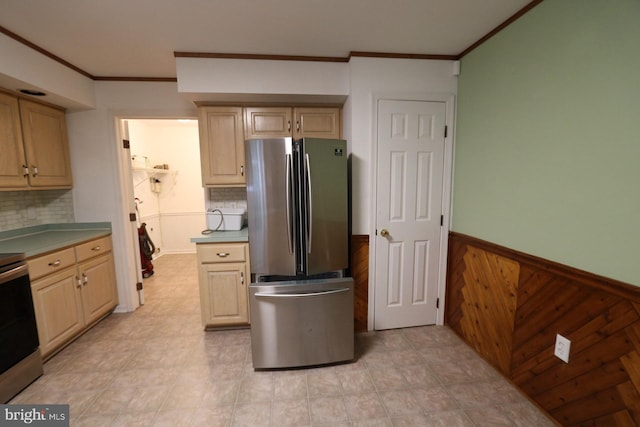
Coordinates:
x,y
301,303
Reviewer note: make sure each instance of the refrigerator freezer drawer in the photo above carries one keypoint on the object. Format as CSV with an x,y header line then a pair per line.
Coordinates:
x,y
301,323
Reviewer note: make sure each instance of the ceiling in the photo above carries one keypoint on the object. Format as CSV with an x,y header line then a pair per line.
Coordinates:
x,y
124,38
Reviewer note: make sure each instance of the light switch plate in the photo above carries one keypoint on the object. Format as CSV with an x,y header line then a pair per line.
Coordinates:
x,y
562,348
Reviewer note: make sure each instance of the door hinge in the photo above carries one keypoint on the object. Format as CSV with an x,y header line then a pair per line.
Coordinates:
x,y
139,286
446,131
132,217
441,220
437,302
125,144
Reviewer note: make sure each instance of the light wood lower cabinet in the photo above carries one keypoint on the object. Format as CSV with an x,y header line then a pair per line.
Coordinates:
x,y
57,301
98,292
223,273
72,289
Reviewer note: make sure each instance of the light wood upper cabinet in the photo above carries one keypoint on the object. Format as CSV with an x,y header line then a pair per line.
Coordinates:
x,y
221,146
34,147
317,123
12,162
224,129
298,122
267,122
44,131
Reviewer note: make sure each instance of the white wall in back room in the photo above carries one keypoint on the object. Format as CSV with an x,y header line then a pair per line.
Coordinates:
x,y
174,212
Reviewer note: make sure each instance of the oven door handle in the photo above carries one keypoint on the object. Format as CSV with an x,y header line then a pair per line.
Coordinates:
x,y
14,273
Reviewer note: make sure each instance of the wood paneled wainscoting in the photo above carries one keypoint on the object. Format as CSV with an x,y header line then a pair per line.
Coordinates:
x,y
509,306
359,264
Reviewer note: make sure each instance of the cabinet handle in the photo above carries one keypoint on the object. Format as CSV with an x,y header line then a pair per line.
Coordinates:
x,y
79,282
25,169
242,277
298,125
289,125
55,263
241,170
85,278
34,168
96,248
223,254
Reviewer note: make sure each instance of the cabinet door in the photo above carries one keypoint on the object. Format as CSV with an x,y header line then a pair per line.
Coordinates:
x,y
12,162
223,294
221,146
44,131
317,123
267,122
99,294
58,306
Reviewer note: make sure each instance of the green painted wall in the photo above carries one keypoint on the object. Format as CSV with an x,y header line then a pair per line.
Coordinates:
x,y
547,156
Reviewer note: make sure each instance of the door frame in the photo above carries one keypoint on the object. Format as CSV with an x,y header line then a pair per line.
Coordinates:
x,y
130,261
447,189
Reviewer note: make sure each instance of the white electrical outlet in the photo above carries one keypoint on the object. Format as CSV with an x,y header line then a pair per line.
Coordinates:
x,y
562,348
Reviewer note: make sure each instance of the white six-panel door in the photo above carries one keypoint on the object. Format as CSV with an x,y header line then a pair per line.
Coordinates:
x,y
410,167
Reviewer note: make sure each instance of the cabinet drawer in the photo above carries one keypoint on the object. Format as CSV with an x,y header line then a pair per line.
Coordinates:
x,y
93,248
51,263
221,253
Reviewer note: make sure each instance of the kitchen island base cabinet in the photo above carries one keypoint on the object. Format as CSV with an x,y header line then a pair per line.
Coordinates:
x,y
223,274
72,289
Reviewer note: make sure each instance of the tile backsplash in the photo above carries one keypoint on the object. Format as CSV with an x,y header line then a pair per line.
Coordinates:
x,y
227,198
20,209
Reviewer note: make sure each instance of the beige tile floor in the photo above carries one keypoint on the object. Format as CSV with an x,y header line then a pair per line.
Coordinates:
x,y
158,367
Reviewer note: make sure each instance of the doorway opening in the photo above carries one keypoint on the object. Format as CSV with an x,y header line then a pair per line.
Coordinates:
x,y
163,188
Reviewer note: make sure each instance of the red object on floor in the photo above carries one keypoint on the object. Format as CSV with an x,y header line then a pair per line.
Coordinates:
x,y
147,248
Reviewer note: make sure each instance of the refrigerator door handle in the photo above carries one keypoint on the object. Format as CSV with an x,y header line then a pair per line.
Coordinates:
x,y
301,294
310,205
288,161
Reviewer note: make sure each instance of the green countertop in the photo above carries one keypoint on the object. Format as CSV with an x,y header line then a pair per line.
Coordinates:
x,y
40,239
223,237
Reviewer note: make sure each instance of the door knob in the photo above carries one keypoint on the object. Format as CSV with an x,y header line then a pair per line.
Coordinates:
x,y
384,232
